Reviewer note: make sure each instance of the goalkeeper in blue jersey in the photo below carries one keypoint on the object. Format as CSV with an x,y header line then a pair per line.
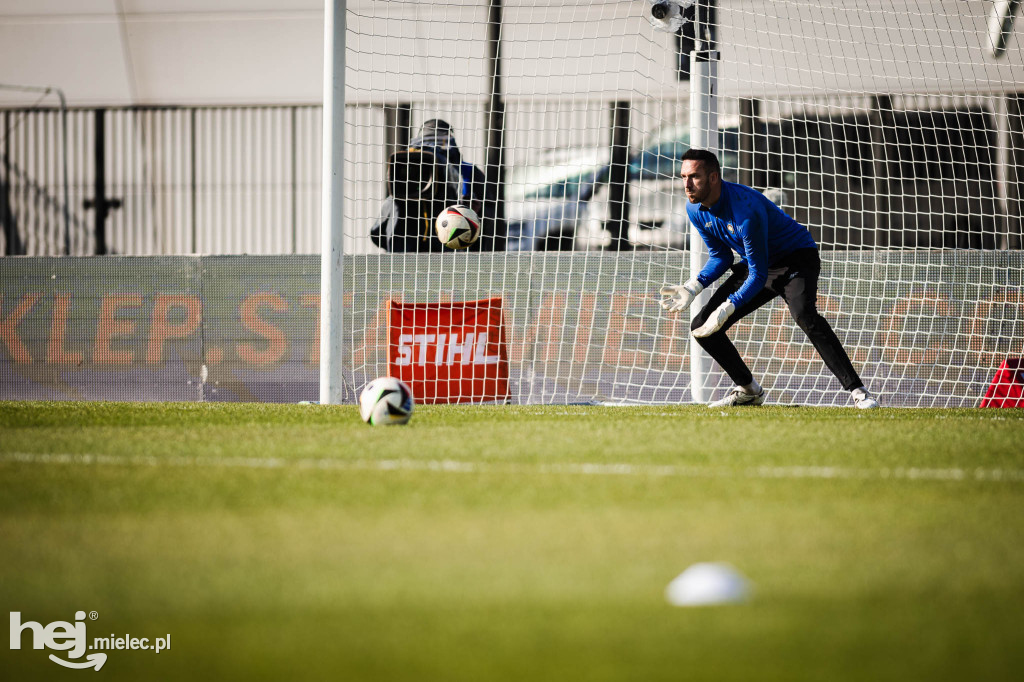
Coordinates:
x,y
778,257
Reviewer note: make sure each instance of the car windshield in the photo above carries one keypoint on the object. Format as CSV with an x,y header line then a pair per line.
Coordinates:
x,y
661,157
573,173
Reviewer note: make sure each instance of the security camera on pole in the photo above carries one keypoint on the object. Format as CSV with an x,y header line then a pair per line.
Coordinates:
x,y
667,15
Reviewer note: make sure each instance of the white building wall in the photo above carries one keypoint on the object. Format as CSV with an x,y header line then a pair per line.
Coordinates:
x,y
229,52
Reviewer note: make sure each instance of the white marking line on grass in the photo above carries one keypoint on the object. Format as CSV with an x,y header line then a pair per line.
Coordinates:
x,y
581,469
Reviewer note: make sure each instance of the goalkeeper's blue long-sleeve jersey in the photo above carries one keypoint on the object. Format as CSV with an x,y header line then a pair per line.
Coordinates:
x,y
747,222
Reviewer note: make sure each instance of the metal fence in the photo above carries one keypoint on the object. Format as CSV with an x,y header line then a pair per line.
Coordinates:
x,y
163,181
233,180
228,180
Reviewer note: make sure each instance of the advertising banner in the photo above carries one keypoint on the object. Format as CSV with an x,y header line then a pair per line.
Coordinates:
x,y
449,352
1007,387
923,328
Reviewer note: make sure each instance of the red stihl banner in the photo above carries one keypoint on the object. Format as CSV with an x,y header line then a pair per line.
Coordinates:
x,y
449,352
1007,387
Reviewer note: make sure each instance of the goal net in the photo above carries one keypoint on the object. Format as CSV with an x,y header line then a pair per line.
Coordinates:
x,y
891,129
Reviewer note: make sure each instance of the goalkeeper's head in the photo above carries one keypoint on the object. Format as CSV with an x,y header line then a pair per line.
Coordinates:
x,y
703,176
706,157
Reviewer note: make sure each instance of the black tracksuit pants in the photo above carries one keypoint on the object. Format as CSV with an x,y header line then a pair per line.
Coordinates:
x,y
795,278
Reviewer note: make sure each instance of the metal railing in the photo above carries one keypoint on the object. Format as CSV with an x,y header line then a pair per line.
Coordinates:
x,y
232,180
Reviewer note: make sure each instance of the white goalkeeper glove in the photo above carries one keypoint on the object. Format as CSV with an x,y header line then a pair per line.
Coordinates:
x,y
678,297
717,319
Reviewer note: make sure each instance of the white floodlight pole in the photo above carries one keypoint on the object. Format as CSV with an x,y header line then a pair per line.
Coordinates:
x,y
703,135
332,204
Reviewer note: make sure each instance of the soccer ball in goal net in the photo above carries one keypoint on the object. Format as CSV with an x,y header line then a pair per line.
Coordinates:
x,y
892,131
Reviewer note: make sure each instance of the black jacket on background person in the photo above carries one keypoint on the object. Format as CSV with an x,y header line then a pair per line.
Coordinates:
x,y
422,181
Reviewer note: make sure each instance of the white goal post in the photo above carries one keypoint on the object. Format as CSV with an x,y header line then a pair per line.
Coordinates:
x,y
892,129
332,247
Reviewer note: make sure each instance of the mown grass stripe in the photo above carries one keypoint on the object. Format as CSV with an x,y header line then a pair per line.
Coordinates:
x,y
571,468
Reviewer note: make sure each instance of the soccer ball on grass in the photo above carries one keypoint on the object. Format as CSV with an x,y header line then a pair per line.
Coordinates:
x,y
385,401
457,227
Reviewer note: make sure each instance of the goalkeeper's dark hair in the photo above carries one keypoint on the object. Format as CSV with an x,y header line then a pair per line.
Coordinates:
x,y
706,157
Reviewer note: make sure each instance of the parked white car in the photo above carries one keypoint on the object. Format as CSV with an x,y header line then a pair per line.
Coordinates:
x,y
560,201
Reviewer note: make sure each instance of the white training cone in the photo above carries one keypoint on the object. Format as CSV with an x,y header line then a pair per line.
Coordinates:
x,y
706,584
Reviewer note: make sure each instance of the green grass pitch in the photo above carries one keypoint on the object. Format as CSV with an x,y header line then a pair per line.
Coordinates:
x,y
286,542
